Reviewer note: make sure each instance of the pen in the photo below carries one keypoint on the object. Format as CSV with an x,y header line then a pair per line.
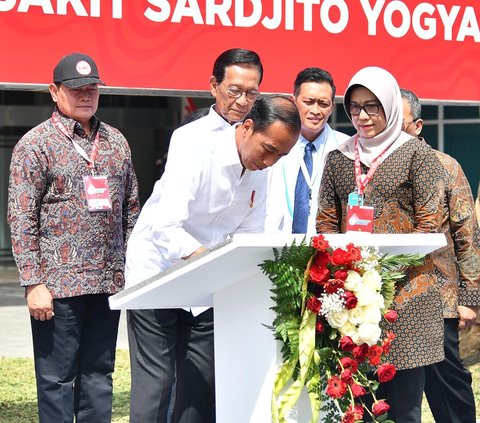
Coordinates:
x,y
252,198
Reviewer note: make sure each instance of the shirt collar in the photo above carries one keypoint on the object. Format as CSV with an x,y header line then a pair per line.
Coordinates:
x,y
74,127
216,121
228,147
317,142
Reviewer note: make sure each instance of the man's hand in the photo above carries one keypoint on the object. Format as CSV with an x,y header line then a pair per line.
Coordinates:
x,y
40,302
468,317
201,249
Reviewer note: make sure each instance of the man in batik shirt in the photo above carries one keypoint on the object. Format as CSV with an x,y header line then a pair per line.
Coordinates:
x,y
73,201
448,384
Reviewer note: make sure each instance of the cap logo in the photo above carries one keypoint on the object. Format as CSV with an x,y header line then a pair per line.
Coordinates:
x,y
83,68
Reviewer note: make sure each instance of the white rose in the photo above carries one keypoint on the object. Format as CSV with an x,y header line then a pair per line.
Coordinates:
x,y
355,315
348,329
356,338
366,296
373,280
336,319
353,280
378,301
351,330
369,314
369,333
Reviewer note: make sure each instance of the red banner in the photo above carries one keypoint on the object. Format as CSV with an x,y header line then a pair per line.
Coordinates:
x,y
433,49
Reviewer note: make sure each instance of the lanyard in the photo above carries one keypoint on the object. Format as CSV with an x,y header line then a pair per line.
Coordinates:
x,y
362,180
93,155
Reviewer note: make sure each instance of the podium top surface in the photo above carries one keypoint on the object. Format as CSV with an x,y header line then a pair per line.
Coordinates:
x,y
194,282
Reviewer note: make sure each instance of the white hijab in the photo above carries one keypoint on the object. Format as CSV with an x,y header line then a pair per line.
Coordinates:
x,y
381,83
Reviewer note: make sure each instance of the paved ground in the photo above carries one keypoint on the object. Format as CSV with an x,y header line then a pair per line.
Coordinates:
x,y
15,334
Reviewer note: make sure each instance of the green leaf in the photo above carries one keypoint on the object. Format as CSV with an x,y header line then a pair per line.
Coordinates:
x,y
325,353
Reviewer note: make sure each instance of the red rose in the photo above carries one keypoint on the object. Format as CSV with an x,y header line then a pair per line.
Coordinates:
x,y
346,376
386,372
341,274
380,407
319,327
348,363
391,316
357,390
374,355
341,257
355,252
350,300
333,285
320,243
336,388
319,274
346,343
314,305
353,414
359,352
322,259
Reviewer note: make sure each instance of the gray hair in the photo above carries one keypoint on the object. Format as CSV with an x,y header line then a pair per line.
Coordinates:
x,y
413,101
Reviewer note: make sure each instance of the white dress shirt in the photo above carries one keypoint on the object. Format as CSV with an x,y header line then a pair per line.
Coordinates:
x,y
212,122
200,200
283,178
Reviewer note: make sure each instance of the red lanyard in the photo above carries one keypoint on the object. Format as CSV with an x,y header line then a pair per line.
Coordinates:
x,y
363,180
93,155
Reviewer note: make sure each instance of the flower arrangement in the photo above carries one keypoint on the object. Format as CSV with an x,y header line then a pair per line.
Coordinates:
x,y
329,305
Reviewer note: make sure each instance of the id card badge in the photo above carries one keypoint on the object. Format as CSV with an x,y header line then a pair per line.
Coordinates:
x,y
97,193
360,218
355,199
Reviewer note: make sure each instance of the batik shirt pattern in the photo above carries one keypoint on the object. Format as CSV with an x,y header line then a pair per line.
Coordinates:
x,y
406,192
457,266
55,239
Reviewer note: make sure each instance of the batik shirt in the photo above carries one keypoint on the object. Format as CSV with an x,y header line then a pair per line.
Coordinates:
x,y
406,192
56,240
457,265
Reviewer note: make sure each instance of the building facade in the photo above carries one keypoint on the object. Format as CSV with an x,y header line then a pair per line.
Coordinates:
x,y
147,121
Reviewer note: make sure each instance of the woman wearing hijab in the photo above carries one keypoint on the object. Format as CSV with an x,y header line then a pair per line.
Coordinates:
x,y
401,178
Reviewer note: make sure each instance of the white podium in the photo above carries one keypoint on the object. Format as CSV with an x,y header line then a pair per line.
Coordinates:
x,y
229,279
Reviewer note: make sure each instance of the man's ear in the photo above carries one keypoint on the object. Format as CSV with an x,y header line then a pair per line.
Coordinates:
x,y
53,91
213,85
247,124
418,126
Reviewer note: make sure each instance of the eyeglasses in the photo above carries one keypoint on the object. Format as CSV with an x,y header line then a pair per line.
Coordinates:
x,y
405,125
370,109
236,92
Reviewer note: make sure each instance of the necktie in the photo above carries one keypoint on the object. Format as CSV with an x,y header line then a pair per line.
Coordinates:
x,y
301,208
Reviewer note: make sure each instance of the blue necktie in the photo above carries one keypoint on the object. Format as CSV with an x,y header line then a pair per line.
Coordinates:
x,y
301,208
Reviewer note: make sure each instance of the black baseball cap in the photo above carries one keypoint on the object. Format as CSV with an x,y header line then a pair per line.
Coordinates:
x,y
76,70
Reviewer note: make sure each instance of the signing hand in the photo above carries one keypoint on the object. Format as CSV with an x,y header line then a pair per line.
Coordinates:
x,y
201,249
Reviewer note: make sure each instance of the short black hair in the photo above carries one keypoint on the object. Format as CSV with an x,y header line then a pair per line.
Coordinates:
x,y
313,75
236,56
275,108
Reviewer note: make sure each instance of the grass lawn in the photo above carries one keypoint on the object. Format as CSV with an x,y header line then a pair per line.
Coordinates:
x,y
18,398
18,394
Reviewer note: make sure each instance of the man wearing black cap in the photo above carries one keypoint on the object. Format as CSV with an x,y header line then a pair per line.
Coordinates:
x,y
73,201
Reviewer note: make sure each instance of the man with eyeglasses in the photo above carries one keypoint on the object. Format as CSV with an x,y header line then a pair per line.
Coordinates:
x,y
159,337
295,179
448,384
236,77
